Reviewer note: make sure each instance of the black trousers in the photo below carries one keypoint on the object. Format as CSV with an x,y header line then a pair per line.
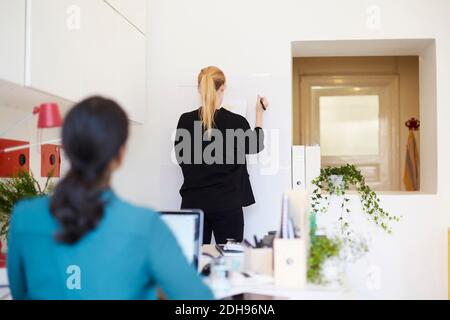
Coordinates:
x,y
226,224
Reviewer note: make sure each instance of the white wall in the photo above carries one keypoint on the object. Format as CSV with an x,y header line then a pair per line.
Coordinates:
x,y
251,41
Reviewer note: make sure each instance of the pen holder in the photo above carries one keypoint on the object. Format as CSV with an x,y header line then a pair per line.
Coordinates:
x,y
259,260
290,262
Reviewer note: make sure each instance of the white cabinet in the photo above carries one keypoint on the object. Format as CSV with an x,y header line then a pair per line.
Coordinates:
x,y
131,70
132,10
75,48
99,60
54,46
12,40
118,55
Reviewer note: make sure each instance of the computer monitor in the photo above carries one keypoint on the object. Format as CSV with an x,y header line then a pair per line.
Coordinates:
x,y
187,227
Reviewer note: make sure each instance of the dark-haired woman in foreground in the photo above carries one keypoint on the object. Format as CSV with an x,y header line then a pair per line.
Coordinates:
x,y
84,242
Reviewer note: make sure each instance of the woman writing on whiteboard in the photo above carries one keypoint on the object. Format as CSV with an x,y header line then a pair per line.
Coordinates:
x,y
211,145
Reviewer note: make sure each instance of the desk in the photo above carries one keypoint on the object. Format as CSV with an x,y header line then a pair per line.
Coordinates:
x,y
261,285
5,294
264,285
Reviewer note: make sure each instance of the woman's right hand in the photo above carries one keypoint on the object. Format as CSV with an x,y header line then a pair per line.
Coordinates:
x,y
260,110
259,106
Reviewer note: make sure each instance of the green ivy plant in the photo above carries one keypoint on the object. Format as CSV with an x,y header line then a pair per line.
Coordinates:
x,y
322,248
12,190
336,181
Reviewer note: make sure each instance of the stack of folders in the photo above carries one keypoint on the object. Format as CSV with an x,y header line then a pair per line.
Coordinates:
x,y
287,229
294,215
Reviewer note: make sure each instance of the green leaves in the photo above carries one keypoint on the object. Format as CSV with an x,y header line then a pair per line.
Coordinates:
x,y
322,248
12,190
336,181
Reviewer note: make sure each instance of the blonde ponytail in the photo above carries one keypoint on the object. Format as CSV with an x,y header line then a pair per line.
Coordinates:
x,y
210,80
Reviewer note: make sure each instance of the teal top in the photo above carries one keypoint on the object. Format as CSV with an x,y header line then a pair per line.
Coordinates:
x,y
128,255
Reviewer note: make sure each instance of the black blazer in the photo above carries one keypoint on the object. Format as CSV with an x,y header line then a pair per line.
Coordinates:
x,y
224,183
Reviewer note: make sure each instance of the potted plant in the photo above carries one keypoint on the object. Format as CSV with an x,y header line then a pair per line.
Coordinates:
x,y
12,190
335,182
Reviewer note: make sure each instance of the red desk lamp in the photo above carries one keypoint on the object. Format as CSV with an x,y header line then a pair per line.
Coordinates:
x,y
49,116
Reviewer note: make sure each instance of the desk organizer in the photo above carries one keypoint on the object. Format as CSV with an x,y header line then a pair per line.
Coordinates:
x,y
290,262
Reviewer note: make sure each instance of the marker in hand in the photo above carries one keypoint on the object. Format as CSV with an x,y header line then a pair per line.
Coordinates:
x,y
262,104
